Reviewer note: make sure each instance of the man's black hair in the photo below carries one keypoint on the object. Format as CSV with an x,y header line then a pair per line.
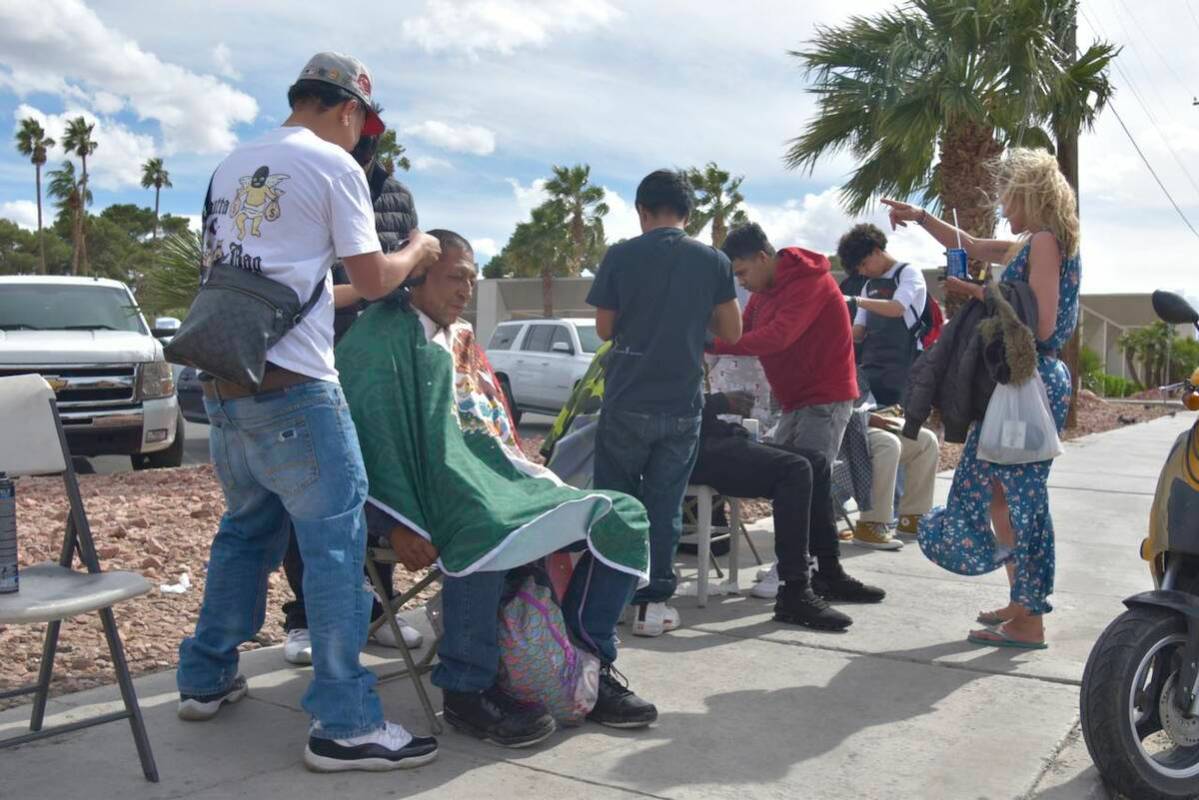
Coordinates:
x,y
746,240
665,189
451,241
326,94
856,245
364,151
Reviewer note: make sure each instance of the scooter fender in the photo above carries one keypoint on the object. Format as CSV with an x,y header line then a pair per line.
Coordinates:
x,y
1187,605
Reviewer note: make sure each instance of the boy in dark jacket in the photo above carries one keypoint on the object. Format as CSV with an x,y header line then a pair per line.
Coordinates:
x,y
798,325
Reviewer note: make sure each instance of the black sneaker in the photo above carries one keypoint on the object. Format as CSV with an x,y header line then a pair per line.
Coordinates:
x,y
390,747
797,604
618,706
200,707
497,717
842,588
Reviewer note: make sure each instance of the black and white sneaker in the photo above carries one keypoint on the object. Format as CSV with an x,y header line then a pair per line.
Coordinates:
x,y
390,747
200,707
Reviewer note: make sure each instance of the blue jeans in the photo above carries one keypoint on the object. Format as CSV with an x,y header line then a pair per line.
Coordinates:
x,y
650,456
290,455
469,653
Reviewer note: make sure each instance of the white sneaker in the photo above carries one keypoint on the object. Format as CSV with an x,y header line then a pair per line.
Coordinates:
x,y
654,619
386,637
390,747
298,647
767,588
765,572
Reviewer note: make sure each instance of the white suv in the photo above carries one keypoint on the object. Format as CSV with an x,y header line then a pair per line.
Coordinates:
x,y
88,339
539,362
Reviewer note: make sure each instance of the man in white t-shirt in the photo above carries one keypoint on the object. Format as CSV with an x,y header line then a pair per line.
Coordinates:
x,y
286,206
887,325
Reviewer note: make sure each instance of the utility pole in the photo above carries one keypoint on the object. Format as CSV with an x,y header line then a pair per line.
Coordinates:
x,y
1066,133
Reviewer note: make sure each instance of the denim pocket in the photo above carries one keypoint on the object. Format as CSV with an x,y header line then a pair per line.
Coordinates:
x,y
286,455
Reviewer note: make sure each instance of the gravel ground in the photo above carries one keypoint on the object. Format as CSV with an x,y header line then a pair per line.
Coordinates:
x,y
160,523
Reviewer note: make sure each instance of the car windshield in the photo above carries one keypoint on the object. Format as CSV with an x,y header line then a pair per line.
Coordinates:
x,y
58,307
589,338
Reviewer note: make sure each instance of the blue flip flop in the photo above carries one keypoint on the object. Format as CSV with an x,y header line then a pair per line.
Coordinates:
x,y
1004,640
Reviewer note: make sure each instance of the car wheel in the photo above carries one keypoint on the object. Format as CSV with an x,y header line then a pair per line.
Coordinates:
x,y
516,412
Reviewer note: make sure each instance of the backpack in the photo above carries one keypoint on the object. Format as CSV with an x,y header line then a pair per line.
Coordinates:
x,y
539,664
932,319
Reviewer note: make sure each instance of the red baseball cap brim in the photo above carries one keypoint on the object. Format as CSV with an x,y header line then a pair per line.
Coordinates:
x,y
374,125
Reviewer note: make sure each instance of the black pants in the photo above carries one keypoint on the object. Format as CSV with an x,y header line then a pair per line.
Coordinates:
x,y
797,481
295,617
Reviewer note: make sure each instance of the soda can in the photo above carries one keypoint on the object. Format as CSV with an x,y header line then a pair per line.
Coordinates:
x,y
956,263
9,578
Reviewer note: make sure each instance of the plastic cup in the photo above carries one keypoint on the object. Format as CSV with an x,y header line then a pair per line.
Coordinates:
x,y
753,427
956,263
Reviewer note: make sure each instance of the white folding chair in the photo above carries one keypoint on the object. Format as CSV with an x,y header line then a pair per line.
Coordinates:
x,y
704,530
32,442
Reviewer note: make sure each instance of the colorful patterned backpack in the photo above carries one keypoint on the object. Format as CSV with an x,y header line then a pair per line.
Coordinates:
x,y
539,664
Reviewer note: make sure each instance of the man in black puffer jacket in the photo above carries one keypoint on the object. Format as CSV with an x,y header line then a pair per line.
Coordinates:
x,y
954,376
395,219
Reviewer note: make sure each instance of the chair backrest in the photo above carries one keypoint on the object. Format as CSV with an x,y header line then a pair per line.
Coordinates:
x,y
29,443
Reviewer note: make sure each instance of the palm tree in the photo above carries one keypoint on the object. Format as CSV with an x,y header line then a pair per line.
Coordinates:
x,y
717,200
173,279
71,196
925,94
390,153
584,209
154,175
78,140
33,142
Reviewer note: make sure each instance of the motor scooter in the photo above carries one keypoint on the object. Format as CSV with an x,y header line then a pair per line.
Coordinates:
x,y
1140,689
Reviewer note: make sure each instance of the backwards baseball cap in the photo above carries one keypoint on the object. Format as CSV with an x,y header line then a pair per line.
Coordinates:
x,y
345,72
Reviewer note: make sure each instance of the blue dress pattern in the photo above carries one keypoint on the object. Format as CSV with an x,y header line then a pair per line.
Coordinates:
x,y
959,536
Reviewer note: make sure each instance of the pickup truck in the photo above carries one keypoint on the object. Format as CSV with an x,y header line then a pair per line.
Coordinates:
x,y
88,339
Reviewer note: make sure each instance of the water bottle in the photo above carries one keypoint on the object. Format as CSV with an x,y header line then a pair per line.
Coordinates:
x,y
9,579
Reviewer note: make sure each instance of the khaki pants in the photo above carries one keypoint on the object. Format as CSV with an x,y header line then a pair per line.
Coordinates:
x,y
887,452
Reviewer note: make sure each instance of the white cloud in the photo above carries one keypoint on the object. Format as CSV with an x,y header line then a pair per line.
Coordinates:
x,y
22,212
816,222
62,46
485,247
117,162
222,56
622,221
528,197
472,139
429,163
502,26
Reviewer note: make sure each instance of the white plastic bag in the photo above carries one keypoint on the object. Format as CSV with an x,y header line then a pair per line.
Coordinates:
x,y
1019,426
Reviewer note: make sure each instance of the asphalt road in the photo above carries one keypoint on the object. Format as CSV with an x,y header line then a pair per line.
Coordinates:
x,y
195,449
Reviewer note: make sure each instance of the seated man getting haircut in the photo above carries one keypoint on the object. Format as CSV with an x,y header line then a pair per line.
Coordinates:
x,y
448,482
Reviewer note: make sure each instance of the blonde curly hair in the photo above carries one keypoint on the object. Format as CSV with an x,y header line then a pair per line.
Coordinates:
x,y
1030,178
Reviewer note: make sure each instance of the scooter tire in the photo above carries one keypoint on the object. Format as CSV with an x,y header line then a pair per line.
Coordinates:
x,y
1104,705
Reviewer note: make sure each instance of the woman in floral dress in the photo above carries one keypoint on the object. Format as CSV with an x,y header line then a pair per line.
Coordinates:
x,y
998,514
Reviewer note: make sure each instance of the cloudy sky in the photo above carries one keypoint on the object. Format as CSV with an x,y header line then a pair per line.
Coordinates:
x,y
487,94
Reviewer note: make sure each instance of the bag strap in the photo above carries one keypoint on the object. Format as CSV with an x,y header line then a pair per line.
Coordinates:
x,y
316,295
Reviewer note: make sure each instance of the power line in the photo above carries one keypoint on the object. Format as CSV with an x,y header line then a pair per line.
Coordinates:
x,y
1194,16
1145,106
1152,172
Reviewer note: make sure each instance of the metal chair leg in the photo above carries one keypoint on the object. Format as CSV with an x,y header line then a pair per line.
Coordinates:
x,y
703,535
129,695
390,609
45,673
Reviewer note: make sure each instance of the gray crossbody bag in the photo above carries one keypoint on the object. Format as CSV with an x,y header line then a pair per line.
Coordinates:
x,y
236,318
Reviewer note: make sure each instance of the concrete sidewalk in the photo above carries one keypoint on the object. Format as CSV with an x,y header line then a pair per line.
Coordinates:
x,y
899,707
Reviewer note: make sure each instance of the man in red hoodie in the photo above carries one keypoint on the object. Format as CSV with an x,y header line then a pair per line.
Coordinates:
x,y
798,325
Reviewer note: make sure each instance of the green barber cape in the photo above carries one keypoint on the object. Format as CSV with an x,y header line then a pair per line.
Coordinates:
x,y
441,454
